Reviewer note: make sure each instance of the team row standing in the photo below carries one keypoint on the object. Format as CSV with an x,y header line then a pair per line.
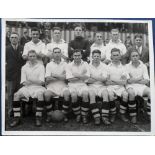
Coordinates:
x,y
85,81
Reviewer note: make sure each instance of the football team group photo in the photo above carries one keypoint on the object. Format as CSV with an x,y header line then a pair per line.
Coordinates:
x,y
77,76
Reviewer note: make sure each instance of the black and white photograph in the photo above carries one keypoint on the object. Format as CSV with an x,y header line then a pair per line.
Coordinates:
x,y
77,77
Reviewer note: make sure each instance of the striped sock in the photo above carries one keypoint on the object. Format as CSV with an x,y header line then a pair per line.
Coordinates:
x,y
65,107
39,108
49,107
132,108
123,107
112,107
84,108
76,108
17,108
95,111
148,107
105,109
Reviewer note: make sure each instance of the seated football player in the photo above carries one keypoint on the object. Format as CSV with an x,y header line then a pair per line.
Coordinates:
x,y
137,84
55,82
32,78
117,78
77,72
97,88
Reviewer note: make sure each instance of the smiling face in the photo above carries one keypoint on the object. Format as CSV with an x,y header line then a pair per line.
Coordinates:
x,y
96,57
35,36
138,41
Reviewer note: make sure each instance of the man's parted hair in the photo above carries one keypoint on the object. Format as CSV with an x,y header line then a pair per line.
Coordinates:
x,y
14,33
31,51
115,50
77,50
56,49
134,50
96,51
57,28
35,29
138,36
114,30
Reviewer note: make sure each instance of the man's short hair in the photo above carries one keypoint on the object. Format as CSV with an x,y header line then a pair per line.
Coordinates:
x,y
77,50
31,51
35,29
115,50
134,50
56,48
96,51
78,25
138,36
115,30
98,32
14,33
57,28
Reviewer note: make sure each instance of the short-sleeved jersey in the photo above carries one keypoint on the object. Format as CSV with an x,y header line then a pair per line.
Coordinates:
x,y
72,68
99,71
54,68
39,47
116,72
137,72
59,69
62,45
112,45
102,48
36,72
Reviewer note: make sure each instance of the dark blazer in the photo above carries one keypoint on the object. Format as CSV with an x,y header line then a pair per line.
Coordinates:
x,y
144,56
14,62
24,40
79,43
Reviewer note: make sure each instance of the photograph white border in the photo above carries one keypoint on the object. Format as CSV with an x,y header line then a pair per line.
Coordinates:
x,y
152,85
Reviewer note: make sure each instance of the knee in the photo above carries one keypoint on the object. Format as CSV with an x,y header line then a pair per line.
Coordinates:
x,y
111,96
105,95
66,95
85,95
47,96
40,96
17,96
92,96
125,96
74,97
131,94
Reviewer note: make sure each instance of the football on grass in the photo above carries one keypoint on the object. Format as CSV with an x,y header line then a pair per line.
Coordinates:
x,y
57,116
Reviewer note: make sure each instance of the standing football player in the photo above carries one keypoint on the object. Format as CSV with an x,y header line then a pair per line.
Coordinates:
x,y
79,43
35,44
115,42
58,42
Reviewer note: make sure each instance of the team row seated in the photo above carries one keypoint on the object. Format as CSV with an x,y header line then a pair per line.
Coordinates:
x,y
85,81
